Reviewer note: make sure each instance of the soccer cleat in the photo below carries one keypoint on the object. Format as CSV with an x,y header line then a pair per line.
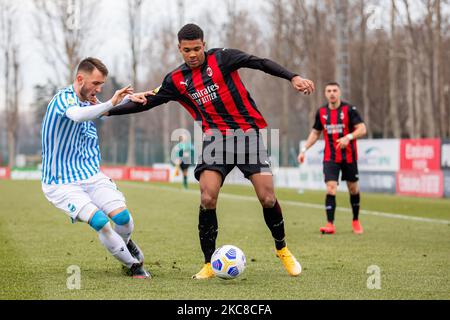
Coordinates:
x,y
328,229
357,228
206,273
291,264
137,271
135,251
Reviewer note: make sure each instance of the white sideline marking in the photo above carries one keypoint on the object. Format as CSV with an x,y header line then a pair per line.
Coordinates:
x,y
293,203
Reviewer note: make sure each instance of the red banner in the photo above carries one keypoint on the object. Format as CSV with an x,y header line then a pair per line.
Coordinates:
x,y
116,173
421,184
149,174
137,174
5,173
421,155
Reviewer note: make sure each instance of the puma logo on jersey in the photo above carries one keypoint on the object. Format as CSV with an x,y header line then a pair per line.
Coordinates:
x,y
184,83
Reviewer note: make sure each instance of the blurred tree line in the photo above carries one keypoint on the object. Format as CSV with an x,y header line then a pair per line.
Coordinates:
x,y
392,54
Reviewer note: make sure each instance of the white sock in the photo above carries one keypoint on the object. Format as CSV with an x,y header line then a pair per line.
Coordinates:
x,y
114,243
125,231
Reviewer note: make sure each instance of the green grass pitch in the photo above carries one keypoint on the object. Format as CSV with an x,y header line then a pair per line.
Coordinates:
x,y
38,243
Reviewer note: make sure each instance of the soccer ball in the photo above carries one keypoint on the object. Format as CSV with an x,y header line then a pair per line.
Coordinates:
x,y
228,262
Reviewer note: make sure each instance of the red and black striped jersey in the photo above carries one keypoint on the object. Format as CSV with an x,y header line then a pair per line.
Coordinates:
x,y
213,93
336,124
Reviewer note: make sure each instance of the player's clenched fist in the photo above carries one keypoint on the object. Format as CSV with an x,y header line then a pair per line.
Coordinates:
x,y
303,85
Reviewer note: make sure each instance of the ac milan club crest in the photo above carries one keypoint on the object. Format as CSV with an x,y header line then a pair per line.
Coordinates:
x,y
209,72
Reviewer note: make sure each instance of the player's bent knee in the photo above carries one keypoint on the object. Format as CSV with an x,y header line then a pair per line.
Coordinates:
x,y
114,206
268,201
208,201
99,221
332,190
122,218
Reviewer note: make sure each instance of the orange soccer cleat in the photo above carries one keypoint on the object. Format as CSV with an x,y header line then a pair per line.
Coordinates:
x,y
328,229
357,228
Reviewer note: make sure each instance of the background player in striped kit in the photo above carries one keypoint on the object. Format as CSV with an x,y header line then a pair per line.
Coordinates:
x,y
341,125
208,85
71,177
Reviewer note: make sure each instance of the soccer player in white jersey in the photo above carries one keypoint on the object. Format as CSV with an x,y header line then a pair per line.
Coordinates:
x,y
71,177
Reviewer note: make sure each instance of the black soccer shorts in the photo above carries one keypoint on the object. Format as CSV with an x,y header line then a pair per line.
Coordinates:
x,y
222,156
331,171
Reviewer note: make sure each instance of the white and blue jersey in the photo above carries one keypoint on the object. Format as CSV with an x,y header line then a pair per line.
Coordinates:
x,y
70,150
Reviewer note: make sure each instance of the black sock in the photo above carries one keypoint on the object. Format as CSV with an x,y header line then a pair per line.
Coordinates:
x,y
185,182
330,206
208,229
355,200
275,222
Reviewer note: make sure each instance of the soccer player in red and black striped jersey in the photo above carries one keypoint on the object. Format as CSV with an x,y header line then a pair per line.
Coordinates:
x,y
341,125
208,85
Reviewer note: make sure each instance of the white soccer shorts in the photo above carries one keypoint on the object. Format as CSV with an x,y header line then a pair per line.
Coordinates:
x,y
79,199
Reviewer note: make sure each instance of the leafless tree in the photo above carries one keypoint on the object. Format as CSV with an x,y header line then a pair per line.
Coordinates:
x,y
342,43
10,50
64,28
364,16
282,55
393,69
181,8
135,43
439,74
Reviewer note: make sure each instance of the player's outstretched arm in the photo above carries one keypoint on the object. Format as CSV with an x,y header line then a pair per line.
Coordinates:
x,y
83,114
144,101
314,136
136,103
236,59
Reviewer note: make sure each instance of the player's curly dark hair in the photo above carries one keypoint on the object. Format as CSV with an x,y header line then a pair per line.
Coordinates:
x,y
190,32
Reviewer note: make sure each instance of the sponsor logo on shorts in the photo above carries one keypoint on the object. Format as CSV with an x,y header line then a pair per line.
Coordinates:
x,y
72,208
